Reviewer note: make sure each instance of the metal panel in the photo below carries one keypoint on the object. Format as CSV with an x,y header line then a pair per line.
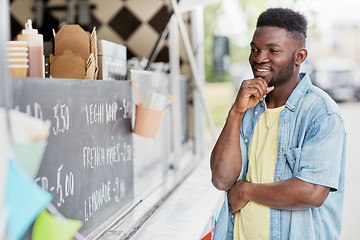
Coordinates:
x,y
5,86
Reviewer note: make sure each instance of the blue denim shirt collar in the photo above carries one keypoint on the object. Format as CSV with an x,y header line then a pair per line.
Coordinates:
x,y
293,102
298,92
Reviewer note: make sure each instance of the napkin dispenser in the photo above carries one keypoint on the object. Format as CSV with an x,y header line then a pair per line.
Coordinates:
x,y
112,61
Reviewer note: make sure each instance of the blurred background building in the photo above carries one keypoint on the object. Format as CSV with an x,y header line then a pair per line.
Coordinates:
x,y
333,44
334,30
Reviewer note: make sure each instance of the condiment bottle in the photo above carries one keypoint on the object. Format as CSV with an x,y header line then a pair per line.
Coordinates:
x,y
35,45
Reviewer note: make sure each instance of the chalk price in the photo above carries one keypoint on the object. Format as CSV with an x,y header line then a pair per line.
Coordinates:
x,y
108,191
62,119
125,108
65,185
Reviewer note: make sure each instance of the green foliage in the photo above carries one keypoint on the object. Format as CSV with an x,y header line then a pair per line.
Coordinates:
x,y
219,97
211,12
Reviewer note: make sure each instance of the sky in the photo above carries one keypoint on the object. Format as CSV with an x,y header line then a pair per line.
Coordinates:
x,y
233,21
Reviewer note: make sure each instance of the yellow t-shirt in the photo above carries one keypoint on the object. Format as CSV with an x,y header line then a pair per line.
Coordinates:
x,y
253,221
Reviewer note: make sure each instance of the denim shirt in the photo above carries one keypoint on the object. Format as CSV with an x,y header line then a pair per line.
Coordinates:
x,y
311,147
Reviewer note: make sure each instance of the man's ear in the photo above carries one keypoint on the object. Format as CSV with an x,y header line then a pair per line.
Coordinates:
x,y
300,56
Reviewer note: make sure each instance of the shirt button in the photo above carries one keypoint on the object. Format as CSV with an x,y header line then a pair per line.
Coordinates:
x,y
278,178
246,140
282,150
293,107
256,112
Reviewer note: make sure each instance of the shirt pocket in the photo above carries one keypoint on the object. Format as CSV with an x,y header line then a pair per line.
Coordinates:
x,y
292,157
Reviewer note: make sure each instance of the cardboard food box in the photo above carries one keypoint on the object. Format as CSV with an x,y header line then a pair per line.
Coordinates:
x,y
75,54
67,65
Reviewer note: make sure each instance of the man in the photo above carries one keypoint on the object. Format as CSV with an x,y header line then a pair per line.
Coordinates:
x,y
281,153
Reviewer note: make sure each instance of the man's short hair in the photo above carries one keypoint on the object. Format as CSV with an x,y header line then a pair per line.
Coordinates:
x,y
286,18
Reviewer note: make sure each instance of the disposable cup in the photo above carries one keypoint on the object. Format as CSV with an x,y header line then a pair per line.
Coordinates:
x,y
18,70
147,121
18,61
29,156
17,49
17,55
17,44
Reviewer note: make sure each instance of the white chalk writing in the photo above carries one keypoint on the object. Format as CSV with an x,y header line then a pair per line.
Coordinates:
x,y
96,156
65,185
103,195
32,110
101,113
62,119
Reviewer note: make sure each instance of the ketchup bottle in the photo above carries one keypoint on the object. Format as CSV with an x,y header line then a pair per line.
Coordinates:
x,y
35,45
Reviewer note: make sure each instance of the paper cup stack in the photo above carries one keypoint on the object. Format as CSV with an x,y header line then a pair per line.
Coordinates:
x,y
17,58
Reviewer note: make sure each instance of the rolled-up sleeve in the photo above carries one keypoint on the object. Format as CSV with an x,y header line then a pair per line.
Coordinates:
x,y
322,150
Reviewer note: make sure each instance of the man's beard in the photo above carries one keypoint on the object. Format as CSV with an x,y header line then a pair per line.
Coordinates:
x,y
284,75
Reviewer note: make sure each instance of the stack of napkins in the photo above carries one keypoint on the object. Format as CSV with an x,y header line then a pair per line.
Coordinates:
x,y
155,101
75,54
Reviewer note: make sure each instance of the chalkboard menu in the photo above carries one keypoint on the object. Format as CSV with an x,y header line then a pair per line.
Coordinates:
x,y
88,162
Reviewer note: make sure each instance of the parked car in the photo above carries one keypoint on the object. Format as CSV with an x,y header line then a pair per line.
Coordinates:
x,y
338,77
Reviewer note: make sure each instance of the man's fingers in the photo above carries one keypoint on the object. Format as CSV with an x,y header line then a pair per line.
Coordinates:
x,y
269,89
254,92
232,209
250,93
259,84
263,83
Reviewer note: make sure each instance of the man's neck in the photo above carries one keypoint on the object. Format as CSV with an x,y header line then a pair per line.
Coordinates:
x,y
280,94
